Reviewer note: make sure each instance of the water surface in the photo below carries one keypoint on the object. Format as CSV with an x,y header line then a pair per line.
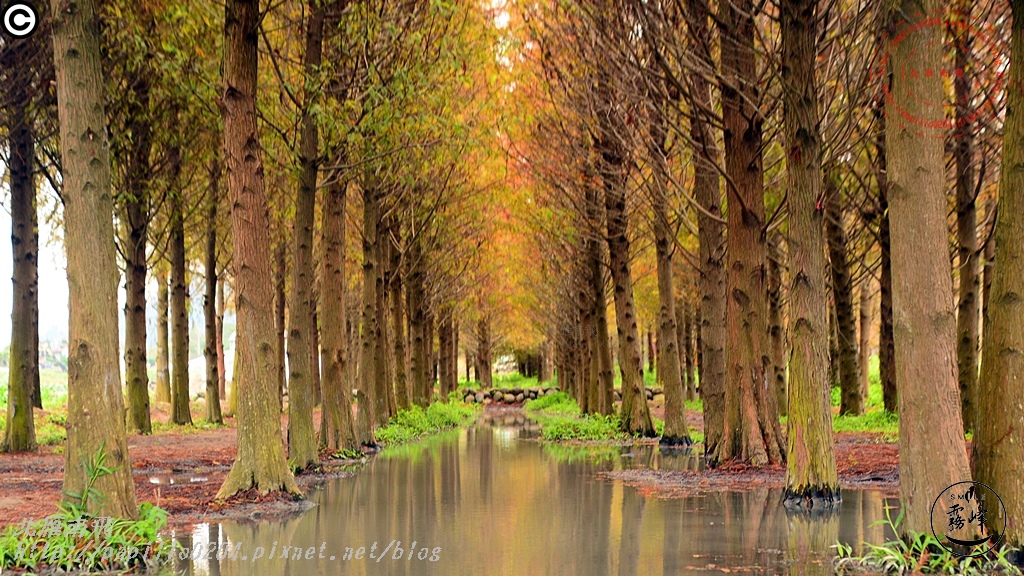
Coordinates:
x,y
491,500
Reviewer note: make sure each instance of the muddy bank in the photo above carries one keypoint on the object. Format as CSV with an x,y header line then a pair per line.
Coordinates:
x,y
863,462
180,472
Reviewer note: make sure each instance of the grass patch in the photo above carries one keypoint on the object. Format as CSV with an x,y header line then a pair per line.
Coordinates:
x,y
874,420
417,422
560,419
557,403
918,554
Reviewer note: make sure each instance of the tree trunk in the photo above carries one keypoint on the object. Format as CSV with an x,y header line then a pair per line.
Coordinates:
x,y
601,343
368,403
932,451
634,413
752,430
711,237
811,478
95,403
180,413
886,345
996,459
163,354
398,313
301,436
776,330
384,391
280,300
136,221
677,432
260,461
483,353
417,327
213,414
221,363
689,326
864,346
991,213
20,434
969,303
842,292
337,431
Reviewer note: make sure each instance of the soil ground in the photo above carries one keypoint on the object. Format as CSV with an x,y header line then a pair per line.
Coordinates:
x,y
182,472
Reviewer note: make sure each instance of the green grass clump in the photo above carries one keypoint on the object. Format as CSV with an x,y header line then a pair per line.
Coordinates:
x,y
917,554
586,427
417,421
874,420
560,419
557,403
76,540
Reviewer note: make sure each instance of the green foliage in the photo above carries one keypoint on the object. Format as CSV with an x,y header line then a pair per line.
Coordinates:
x,y
917,554
585,427
417,422
874,420
581,452
557,403
515,380
72,540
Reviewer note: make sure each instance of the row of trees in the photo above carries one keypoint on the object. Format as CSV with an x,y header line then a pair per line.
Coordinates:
x,y
790,158
169,113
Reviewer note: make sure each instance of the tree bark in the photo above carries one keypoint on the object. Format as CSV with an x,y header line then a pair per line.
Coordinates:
x,y
811,478
417,327
886,345
20,434
932,450
483,352
280,301
969,303
302,452
995,457
400,339
711,237
842,292
95,403
864,346
221,364
752,430
136,220
337,431
368,403
213,412
260,461
689,326
163,354
776,330
601,343
180,413
677,432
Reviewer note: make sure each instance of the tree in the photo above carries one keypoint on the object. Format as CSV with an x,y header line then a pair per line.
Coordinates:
x,y
996,456
95,403
19,58
337,430
301,437
210,315
932,450
180,412
163,371
851,401
811,477
751,425
260,461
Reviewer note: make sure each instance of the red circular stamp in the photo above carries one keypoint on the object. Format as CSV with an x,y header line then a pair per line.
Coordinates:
x,y
986,70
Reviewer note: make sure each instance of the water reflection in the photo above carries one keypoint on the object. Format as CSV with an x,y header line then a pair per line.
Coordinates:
x,y
482,501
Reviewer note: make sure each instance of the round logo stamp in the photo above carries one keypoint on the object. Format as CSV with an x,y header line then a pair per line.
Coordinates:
x,y
962,519
987,71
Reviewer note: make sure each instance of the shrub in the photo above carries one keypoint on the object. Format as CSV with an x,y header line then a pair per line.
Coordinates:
x,y
417,422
